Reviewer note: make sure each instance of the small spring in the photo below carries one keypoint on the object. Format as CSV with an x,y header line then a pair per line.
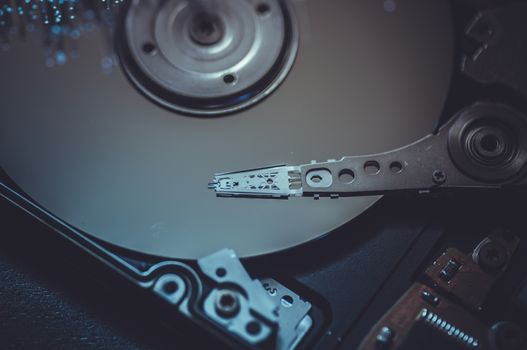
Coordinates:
x,y
447,328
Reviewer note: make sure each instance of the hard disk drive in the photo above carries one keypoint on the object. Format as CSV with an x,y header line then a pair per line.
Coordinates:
x,y
158,153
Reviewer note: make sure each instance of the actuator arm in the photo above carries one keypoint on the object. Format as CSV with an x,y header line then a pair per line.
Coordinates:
x,y
484,146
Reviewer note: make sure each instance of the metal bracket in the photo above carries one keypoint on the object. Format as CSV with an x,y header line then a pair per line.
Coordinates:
x,y
258,314
238,303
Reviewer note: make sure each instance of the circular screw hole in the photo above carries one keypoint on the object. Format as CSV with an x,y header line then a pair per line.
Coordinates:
x,y
149,48
227,300
372,167
346,176
287,301
206,29
263,9
396,167
253,328
170,287
316,178
229,79
221,272
490,143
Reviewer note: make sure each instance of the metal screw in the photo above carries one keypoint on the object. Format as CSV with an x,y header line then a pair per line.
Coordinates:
x,y
430,298
227,303
385,337
439,177
492,256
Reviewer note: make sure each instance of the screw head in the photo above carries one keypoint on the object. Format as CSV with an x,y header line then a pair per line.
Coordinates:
x,y
492,256
439,177
227,303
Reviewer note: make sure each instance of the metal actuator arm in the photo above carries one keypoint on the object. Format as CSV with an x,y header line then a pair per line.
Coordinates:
x,y
483,146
